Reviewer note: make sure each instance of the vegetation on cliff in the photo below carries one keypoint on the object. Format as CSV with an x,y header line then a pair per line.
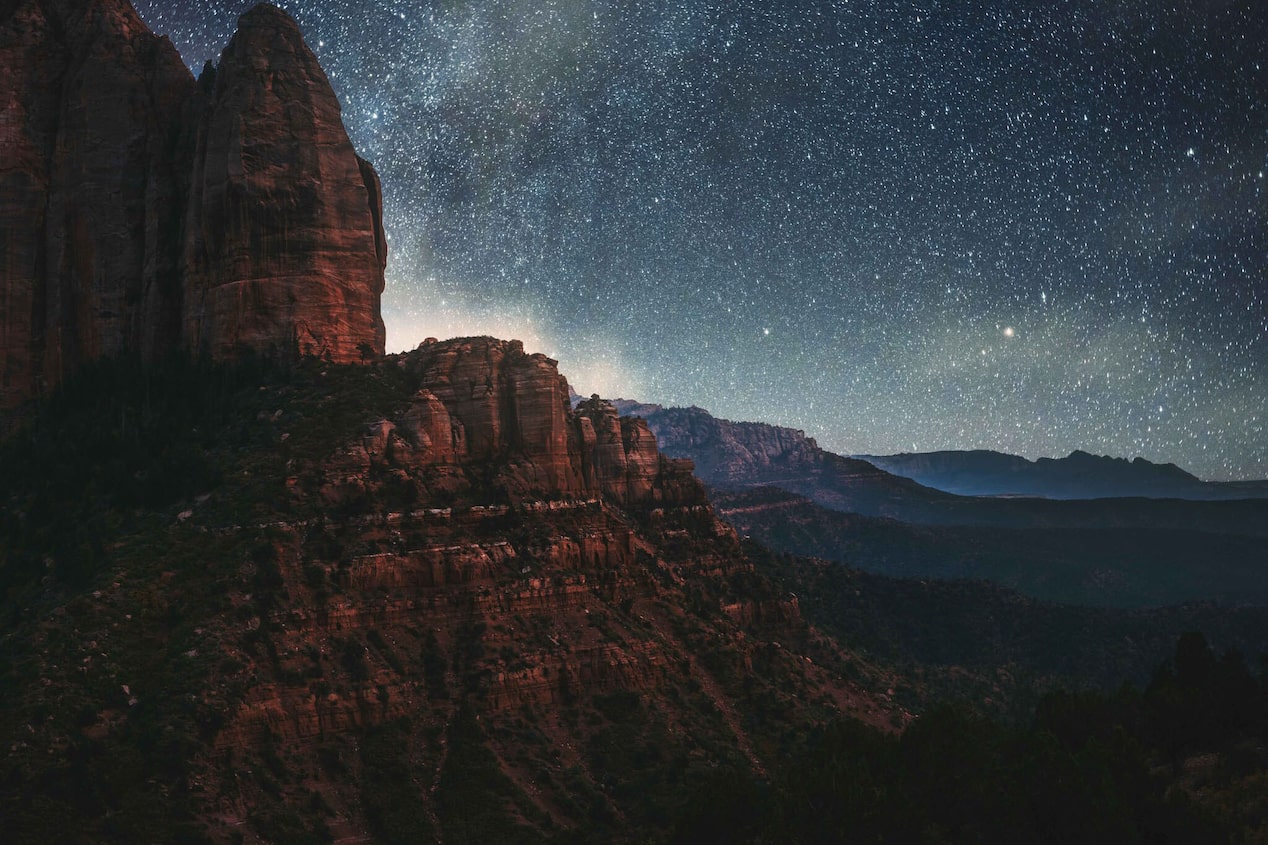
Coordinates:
x,y
1184,760
253,600
248,603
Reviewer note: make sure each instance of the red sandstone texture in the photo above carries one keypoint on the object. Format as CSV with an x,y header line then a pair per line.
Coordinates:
x,y
283,243
140,211
488,401
561,537
476,548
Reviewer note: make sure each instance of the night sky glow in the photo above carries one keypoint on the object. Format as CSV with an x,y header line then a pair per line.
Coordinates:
x,y
1023,225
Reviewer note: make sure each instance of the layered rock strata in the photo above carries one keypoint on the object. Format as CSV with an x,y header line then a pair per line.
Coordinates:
x,y
561,557
488,402
470,581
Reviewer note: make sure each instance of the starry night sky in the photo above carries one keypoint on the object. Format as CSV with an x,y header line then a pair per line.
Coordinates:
x,y
1023,225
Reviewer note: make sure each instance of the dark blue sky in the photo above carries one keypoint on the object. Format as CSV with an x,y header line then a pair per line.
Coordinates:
x,y
1024,226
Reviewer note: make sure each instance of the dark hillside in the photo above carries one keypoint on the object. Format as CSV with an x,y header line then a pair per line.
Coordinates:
x,y
287,601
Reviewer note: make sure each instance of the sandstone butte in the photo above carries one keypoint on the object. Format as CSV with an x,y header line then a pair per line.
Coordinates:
x,y
143,211
482,555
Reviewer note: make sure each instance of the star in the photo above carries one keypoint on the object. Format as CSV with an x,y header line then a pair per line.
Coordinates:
x,y
641,184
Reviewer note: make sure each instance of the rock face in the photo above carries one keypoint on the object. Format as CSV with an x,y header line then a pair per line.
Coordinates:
x,y
90,175
141,211
622,458
503,401
283,242
487,402
727,451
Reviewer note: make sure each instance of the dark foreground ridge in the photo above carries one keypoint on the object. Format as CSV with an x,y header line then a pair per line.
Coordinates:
x,y
425,600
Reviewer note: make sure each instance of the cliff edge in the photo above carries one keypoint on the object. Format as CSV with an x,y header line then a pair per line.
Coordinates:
x,y
143,211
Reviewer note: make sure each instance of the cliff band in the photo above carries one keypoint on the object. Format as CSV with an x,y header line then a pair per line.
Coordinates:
x,y
142,210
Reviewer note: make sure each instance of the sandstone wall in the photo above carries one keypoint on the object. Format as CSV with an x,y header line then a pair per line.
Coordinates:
x,y
141,211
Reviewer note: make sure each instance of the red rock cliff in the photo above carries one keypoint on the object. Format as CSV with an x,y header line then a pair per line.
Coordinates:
x,y
283,244
139,214
90,173
488,402
485,403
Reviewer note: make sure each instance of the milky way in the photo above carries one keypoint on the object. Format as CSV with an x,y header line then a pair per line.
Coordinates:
x,y
1024,226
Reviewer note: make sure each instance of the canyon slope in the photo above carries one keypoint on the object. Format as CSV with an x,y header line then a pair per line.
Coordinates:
x,y
143,211
414,598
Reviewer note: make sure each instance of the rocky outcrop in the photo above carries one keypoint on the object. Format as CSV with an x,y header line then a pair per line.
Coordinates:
x,y
621,456
283,244
141,210
503,403
431,435
727,451
488,402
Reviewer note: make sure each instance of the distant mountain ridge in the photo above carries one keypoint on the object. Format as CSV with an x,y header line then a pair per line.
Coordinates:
x,y
726,450
1079,475
739,455
779,487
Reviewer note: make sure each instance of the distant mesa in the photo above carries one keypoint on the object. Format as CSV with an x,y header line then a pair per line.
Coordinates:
x,y
143,211
727,452
1079,475
737,456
